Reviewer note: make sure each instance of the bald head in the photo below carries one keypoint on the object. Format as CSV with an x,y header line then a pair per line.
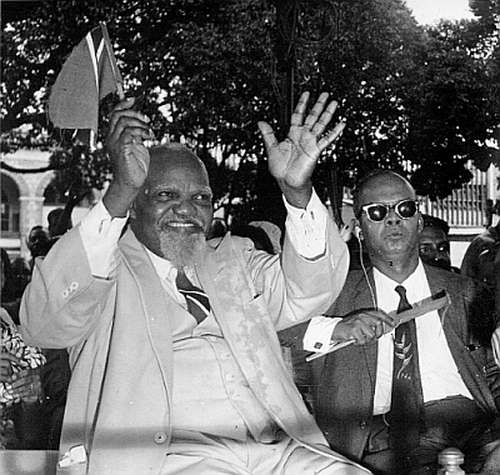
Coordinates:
x,y
175,154
377,180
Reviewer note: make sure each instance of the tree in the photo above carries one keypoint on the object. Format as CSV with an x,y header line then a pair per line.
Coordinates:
x,y
451,116
206,71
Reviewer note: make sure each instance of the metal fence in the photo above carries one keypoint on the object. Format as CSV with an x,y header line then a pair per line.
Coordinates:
x,y
465,207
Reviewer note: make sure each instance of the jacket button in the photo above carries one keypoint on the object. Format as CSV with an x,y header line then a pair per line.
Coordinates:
x,y
362,424
160,438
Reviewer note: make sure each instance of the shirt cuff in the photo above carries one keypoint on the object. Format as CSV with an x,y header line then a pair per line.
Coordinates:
x,y
318,336
100,234
306,228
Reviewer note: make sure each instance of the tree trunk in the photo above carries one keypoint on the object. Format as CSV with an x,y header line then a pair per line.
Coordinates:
x,y
269,203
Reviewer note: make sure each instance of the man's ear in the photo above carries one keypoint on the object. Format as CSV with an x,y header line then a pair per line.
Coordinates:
x,y
420,223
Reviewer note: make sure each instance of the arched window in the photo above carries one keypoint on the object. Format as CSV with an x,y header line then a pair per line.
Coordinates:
x,y
9,207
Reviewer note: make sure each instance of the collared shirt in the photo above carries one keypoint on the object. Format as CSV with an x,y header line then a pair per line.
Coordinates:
x,y
438,372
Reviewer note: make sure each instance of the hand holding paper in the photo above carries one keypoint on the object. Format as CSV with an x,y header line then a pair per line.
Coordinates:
x,y
435,302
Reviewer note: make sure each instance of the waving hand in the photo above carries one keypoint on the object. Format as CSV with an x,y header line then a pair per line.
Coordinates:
x,y
292,161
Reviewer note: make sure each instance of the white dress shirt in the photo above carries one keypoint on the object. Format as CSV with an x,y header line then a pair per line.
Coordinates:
x,y
438,372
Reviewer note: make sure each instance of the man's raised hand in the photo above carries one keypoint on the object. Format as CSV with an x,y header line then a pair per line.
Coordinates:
x,y
130,157
292,161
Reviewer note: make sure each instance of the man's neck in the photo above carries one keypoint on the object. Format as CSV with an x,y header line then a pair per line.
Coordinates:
x,y
396,268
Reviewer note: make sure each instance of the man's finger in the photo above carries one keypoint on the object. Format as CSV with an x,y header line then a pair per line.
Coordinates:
x,y
380,316
125,114
298,113
128,125
316,111
331,136
325,119
134,135
127,103
268,135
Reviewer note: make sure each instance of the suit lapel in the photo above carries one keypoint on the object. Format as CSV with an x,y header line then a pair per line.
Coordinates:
x,y
157,307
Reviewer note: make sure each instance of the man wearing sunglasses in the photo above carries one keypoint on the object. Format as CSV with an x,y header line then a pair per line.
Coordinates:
x,y
398,396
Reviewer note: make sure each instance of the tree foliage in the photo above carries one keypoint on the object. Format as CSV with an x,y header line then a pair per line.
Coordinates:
x,y
418,101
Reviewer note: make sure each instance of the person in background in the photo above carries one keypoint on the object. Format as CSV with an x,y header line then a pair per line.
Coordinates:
x,y
55,374
38,242
273,232
434,243
258,236
20,384
479,258
58,223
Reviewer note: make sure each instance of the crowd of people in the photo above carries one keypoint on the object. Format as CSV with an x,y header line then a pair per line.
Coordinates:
x,y
151,340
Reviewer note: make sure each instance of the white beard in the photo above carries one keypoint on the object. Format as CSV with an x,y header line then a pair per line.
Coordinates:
x,y
182,249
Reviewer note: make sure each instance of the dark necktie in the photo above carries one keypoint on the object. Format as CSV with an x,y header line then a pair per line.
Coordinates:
x,y
197,301
407,399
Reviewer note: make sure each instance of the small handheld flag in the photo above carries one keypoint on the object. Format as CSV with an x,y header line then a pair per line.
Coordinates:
x,y
89,74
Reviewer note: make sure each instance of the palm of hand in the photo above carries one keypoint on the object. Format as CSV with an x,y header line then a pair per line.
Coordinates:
x,y
295,157
292,161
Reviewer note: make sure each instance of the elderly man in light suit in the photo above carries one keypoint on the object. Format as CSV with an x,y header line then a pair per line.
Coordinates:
x,y
156,387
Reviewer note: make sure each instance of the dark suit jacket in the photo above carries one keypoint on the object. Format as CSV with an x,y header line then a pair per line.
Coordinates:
x,y
343,383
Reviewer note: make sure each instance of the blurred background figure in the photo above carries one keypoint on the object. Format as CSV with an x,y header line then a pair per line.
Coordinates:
x,y
257,235
21,390
273,232
38,243
434,243
33,383
479,259
59,222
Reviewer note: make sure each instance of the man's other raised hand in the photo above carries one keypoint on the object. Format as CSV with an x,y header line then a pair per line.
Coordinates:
x,y
293,160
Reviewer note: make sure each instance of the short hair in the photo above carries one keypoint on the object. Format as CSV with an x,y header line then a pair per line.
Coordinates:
x,y
363,182
173,147
38,227
435,222
177,147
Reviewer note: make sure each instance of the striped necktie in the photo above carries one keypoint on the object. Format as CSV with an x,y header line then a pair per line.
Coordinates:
x,y
197,301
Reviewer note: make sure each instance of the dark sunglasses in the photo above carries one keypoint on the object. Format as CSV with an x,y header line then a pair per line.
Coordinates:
x,y
376,212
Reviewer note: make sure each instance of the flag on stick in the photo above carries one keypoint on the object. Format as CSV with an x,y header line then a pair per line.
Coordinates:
x,y
89,74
